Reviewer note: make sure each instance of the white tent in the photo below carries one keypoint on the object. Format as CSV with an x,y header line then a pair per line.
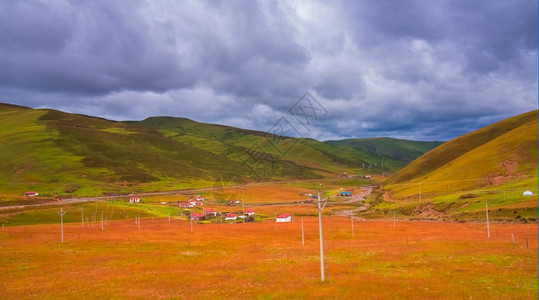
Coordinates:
x,y
527,193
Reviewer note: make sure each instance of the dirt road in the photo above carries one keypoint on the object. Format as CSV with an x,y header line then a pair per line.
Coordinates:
x,y
357,197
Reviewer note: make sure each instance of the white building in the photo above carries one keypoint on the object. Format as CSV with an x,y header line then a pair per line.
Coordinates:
x,y
286,217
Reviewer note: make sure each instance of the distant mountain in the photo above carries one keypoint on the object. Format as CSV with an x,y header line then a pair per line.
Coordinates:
x,y
401,150
60,153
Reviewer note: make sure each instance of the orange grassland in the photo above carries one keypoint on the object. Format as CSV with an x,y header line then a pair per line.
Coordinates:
x,y
415,260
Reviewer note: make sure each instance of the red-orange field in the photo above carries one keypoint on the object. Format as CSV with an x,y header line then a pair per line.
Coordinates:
x,y
415,260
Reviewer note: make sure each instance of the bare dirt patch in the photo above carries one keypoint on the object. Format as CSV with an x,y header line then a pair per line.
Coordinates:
x,y
427,211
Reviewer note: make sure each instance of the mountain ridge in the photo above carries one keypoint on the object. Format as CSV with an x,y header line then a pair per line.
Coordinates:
x,y
55,152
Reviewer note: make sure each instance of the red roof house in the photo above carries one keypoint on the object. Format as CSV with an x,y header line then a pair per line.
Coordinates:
x,y
210,212
286,217
196,216
230,217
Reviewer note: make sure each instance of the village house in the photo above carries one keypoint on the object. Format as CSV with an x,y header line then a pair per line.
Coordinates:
x,y
185,204
249,212
286,217
134,200
196,216
210,212
229,217
31,194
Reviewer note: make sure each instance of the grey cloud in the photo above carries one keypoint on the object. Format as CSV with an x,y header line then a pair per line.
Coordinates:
x,y
379,67
93,48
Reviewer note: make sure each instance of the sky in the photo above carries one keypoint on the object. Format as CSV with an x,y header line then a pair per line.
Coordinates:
x,y
421,70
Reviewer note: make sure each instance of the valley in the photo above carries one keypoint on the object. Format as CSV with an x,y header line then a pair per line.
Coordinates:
x,y
170,207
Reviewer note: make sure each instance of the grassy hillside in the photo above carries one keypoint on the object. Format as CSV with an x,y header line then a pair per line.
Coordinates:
x,y
400,150
238,144
457,147
495,164
58,153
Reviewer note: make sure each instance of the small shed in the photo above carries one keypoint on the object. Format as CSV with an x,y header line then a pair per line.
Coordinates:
x,y
346,193
249,212
527,193
31,194
286,217
134,200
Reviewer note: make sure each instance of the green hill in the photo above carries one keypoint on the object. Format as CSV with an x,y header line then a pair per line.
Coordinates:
x,y
458,147
58,153
401,150
495,164
236,143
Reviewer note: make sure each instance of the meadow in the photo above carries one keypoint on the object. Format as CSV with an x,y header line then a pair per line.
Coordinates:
x,y
265,260
170,257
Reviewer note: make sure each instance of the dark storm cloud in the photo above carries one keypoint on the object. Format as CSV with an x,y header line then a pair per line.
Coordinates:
x,y
397,68
92,48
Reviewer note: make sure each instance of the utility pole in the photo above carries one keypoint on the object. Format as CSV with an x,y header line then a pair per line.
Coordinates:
x,y
420,202
393,219
488,226
352,220
81,216
320,208
242,192
302,233
62,213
